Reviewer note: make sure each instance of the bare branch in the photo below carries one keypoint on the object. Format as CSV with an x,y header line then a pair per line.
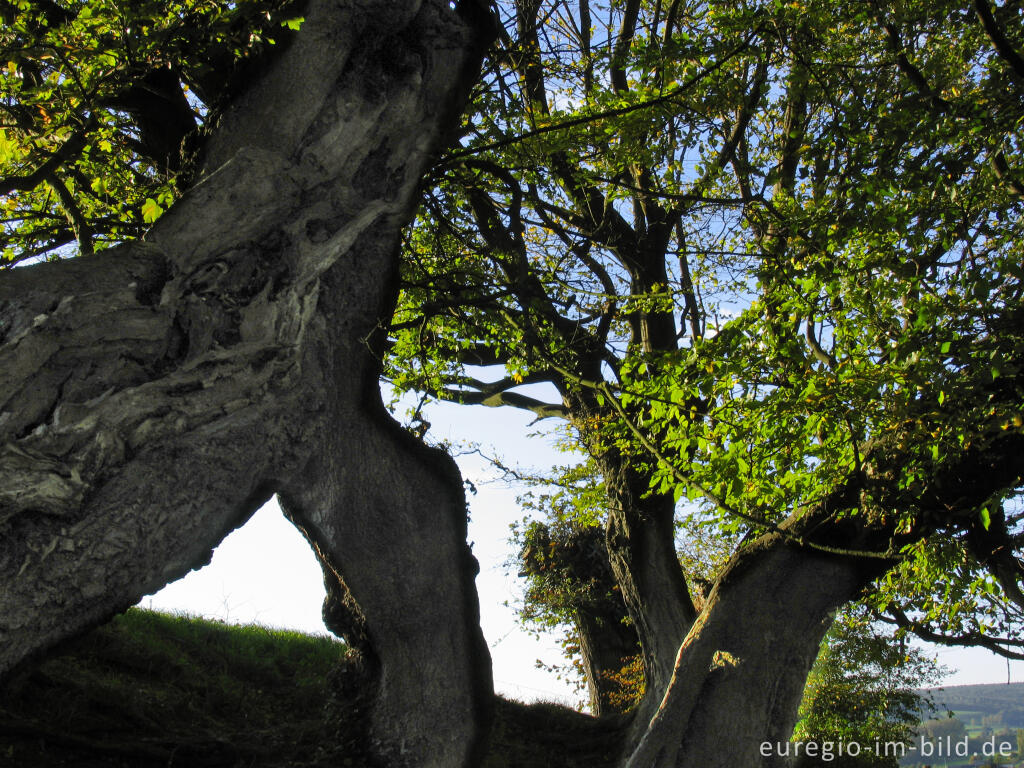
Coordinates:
x,y
497,393
626,32
453,157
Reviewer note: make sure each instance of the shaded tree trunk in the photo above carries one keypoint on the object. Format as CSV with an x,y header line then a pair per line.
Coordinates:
x,y
607,645
641,548
740,673
154,395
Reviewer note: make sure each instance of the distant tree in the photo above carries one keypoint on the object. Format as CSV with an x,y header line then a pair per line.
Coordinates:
x,y
941,727
570,588
864,689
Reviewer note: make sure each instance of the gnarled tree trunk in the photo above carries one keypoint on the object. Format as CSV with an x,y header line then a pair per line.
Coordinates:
x,y
740,673
641,548
152,396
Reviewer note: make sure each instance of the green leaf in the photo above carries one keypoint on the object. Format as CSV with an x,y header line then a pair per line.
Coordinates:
x,y
293,24
151,210
9,149
986,518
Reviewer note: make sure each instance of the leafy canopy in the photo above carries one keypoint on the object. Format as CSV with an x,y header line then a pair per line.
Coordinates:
x,y
770,252
97,99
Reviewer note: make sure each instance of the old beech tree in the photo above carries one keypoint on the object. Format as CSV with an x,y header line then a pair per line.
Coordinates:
x,y
768,255
155,394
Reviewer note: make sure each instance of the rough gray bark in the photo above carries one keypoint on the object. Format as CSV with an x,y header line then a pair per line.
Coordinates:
x,y
641,549
152,396
740,673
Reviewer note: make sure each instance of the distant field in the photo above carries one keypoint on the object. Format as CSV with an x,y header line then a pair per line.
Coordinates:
x,y
967,714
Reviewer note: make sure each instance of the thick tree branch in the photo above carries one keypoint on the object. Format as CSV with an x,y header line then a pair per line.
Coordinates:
x,y
1003,46
1005,174
502,397
896,616
80,225
996,550
916,77
438,306
746,114
627,30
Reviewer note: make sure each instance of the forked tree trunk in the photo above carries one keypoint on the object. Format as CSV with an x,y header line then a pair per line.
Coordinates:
x,y
640,541
740,673
154,395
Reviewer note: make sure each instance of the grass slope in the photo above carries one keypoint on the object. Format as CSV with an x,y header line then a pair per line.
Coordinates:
x,y
153,690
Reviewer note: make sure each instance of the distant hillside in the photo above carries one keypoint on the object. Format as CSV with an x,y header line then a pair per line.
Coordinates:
x,y
999,704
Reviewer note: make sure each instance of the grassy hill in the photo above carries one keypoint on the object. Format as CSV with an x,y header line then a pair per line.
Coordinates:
x,y
977,702
152,690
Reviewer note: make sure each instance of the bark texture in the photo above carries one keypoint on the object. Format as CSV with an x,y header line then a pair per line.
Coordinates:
x,y
740,672
154,395
641,549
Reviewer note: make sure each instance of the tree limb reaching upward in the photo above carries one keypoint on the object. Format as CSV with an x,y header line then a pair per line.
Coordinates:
x,y
153,395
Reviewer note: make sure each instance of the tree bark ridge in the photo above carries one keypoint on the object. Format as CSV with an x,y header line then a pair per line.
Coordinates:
x,y
154,395
740,673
